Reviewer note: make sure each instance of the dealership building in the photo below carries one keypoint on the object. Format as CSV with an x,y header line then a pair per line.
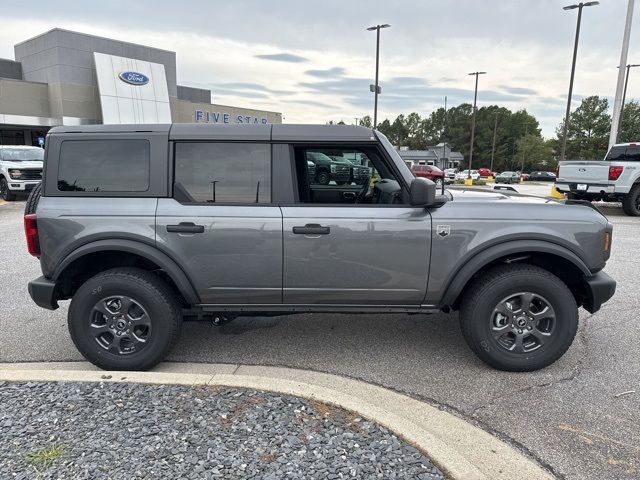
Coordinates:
x,y
70,78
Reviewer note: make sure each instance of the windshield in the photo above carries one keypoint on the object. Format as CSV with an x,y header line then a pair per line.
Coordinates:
x,y
21,154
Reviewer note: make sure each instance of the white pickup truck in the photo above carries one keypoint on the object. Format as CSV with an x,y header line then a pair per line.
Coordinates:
x,y
614,179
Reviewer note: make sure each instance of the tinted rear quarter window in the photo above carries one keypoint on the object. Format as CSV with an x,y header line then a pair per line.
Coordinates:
x,y
104,166
222,172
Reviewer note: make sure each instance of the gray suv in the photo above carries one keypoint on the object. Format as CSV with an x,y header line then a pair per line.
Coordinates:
x,y
144,226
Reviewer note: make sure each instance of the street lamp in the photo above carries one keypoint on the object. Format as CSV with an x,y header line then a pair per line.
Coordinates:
x,y
624,92
376,87
579,6
473,122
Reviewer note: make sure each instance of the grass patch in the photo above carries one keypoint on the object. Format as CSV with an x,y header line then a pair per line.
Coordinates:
x,y
41,459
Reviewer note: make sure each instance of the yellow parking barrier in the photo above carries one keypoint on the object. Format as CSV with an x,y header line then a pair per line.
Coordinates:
x,y
468,181
490,178
555,193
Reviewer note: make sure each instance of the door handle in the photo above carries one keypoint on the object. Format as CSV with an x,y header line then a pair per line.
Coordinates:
x,y
186,227
312,229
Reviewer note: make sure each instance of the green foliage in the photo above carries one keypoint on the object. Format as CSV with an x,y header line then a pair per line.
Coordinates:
x,y
589,127
630,125
41,459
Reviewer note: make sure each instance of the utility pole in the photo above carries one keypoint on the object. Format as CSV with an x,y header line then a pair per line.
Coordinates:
x,y
493,145
444,137
573,71
526,127
376,86
617,104
473,122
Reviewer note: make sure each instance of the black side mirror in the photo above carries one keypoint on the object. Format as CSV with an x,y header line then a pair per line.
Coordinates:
x,y
422,192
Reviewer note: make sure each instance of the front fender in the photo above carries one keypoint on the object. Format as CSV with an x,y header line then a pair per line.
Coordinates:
x,y
459,278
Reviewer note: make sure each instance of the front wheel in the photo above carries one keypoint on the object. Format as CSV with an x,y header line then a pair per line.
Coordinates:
x,y
438,182
519,318
124,319
5,193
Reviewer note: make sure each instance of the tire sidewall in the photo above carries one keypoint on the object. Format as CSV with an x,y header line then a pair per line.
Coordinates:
x,y
565,328
101,287
629,202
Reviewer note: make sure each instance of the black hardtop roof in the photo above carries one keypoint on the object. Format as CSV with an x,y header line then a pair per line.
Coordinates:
x,y
235,132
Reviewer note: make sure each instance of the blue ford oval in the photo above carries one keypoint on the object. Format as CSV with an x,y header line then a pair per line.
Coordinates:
x,y
134,78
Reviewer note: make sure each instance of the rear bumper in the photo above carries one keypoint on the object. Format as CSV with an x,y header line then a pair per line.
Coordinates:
x,y
600,288
592,188
42,292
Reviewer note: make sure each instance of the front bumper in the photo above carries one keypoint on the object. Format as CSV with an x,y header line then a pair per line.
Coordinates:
x,y
599,288
42,292
22,185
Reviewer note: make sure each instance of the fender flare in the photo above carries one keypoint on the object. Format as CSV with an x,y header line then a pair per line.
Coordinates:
x,y
149,252
488,255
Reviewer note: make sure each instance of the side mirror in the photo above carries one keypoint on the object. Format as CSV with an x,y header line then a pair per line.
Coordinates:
x,y
422,192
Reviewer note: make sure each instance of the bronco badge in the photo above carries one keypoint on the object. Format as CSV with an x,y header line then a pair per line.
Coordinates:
x,y
443,230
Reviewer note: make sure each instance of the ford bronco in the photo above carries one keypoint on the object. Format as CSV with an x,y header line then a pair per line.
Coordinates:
x,y
142,226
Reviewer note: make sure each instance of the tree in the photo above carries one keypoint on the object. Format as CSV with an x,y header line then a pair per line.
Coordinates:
x,y
366,121
589,127
536,154
630,125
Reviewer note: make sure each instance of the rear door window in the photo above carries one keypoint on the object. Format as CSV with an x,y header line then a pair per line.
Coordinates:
x,y
104,166
236,173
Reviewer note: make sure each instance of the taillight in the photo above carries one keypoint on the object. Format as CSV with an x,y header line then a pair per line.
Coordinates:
x,y
558,171
31,232
615,172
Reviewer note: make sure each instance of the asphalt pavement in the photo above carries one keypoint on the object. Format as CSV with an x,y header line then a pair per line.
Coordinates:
x,y
570,416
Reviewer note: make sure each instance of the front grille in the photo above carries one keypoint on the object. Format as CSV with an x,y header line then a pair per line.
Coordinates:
x,y
343,170
31,174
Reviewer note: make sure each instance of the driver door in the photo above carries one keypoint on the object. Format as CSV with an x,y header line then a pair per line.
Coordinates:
x,y
357,243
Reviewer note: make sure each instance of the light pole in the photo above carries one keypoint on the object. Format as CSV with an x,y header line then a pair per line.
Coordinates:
x,y
376,88
624,92
493,145
579,6
473,122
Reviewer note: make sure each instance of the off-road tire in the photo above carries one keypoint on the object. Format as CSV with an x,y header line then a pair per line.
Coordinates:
x,y
488,290
6,193
146,288
32,201
631,201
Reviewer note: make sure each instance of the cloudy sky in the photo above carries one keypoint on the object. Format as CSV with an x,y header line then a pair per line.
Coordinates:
x,y
314,60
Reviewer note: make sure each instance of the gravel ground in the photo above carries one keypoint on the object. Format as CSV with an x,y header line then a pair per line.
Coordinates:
x,y
110,430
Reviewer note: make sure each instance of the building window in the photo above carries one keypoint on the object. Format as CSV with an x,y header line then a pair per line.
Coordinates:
x,y
104,166
222,172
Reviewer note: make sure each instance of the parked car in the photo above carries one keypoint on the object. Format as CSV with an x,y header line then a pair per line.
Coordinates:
x,y
327,169
450,175
464,174
20,170
484,172
145,229
542,177
360,174
508,177
428,171
614,179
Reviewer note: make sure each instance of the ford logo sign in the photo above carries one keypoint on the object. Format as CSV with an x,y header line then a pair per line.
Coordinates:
x,y
134,78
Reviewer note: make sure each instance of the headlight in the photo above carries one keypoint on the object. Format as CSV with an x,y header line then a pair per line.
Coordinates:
x,y
333,169
15,173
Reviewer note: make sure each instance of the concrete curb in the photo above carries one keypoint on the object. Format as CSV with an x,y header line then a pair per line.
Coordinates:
x,y
459,449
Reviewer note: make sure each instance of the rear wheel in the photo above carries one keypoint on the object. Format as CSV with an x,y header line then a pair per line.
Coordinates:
x,y
519,318
631,202
5,193
124,319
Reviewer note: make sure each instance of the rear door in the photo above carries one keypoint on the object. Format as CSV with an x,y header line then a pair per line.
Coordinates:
x,y
221,225
354,244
